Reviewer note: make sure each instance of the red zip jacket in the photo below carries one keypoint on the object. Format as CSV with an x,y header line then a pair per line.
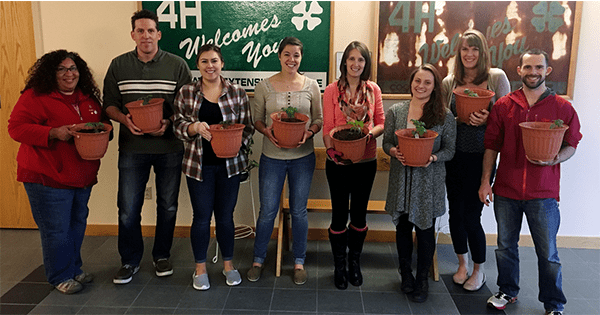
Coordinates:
x,y
52,163
517,178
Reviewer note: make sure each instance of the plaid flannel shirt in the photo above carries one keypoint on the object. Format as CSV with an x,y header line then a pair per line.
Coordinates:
x,y
234,106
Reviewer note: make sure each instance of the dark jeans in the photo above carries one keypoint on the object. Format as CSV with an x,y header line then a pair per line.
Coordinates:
x,y
215,193
350,182
61,216
134,171
463,178
425,242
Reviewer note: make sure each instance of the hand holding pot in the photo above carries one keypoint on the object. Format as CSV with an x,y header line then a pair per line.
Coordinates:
x,y
202,129
163,127
62,133
131,126
478,118
269,134
336,157
544,163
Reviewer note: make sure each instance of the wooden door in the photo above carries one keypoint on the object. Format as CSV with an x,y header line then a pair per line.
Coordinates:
x,y
17,55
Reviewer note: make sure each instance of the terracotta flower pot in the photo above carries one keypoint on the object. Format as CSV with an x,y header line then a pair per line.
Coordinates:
x,y
91,146
542,143
416,151
465,105
288,134
353,150
146,117
226,142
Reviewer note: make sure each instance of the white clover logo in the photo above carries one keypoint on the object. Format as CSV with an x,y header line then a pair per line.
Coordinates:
x,y
311,22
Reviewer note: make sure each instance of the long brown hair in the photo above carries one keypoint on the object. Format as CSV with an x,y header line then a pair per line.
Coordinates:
x,y
477,39
364,51
434,111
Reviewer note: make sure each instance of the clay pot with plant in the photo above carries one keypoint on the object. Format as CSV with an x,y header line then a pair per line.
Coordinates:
x,y
543,140
91,139
288,127
226,138
350,139
147,113
471,100
416,144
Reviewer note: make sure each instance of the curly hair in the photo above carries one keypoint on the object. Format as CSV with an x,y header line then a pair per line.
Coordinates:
x,y
434,110
42,75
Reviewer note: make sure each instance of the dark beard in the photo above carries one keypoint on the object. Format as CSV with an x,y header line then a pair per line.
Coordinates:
x,y
533,87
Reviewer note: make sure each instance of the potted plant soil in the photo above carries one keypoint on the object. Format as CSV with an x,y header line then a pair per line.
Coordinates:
x,y
146,113
288,127
471,100
416,144
226,138
350,139
542,140
91,139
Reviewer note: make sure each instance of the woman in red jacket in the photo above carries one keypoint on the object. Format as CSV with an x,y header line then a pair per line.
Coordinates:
x,y
59,93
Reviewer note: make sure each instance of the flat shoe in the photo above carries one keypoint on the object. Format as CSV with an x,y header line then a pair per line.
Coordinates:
x,y
232,277
459,281
300,276
474,288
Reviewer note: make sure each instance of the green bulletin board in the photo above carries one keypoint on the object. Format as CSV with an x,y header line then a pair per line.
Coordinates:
x,y
248,33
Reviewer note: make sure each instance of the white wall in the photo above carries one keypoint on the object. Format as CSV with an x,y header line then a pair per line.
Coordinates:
x,y
103,33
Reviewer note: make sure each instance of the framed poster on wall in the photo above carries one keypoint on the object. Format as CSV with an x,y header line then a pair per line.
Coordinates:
x,y
248,33
412,33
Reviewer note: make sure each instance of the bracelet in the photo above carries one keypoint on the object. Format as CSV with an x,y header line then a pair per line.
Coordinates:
x,y
313,134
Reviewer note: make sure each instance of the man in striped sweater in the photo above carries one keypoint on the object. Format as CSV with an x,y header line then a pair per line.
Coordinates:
x,y
146,70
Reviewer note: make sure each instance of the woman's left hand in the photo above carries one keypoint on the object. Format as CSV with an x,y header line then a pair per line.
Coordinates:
x,y
432,158
62,133
307,134
478,118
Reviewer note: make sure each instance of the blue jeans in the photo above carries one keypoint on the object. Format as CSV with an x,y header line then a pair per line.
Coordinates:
x,y
134,171
543,218
61,216
216,192
271,176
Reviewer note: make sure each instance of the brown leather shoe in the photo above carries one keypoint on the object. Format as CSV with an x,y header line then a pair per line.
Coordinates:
x,y
300,276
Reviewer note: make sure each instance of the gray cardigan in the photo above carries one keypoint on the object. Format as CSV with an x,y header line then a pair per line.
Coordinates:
x,y
418,191
497,82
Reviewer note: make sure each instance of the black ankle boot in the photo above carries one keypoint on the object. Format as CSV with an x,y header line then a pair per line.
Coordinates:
x,y
338,247
408,280
421,291
356,240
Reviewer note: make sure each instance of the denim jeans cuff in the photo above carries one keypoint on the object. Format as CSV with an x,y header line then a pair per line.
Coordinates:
x,y
259,260
299,261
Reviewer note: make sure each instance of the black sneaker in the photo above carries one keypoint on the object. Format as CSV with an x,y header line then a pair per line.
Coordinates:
x,y
125,274
163,267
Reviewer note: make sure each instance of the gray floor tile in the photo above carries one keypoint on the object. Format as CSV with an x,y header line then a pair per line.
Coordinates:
x,y
115,295
150,310
212,299
588,255
385,303
159,296
339,301
254,299
294,300
437,303
102,310
385,280
53,309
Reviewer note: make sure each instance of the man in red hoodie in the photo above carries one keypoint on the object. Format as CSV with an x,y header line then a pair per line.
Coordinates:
x,y
524,186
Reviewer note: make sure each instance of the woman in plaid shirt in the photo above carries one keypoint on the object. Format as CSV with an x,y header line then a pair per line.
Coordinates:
x,y
213,182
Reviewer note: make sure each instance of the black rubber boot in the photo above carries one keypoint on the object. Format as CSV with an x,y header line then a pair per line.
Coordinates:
x,y
356,240
421,291
408,280
338,248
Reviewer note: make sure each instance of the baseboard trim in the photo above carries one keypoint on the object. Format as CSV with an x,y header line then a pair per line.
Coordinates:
x,y
587,242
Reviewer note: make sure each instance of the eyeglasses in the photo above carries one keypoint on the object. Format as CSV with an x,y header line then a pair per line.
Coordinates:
x,y
63,70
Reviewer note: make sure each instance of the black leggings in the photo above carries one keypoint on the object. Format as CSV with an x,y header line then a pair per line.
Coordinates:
x,y
425,242
350,182
463,178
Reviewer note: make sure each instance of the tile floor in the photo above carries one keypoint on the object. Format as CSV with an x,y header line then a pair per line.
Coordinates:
x,y
24,290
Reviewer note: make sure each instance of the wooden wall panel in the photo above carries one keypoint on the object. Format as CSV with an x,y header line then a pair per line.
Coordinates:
x,y
17,55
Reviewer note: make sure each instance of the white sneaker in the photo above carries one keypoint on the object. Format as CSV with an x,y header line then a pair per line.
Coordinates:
x,y
201,282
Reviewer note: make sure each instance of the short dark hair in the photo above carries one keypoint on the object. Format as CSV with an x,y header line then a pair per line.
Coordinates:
x,y
434,111
364,51
290,41
535,51
144,14
42,75
208,47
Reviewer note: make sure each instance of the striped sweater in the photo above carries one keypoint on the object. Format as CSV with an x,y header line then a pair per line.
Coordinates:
x,y
129,79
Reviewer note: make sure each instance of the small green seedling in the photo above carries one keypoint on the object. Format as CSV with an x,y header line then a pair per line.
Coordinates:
x,y
357,126
290,111
96,127
226,124
471,93
419,128
557,124
146,99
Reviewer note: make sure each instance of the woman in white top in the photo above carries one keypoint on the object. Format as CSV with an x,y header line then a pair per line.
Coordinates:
x,y
286,88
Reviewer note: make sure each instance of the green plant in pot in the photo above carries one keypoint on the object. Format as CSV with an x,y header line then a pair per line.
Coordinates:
x,y
91,139
288,126
146,113
350,140
416,144
226,138
543,140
